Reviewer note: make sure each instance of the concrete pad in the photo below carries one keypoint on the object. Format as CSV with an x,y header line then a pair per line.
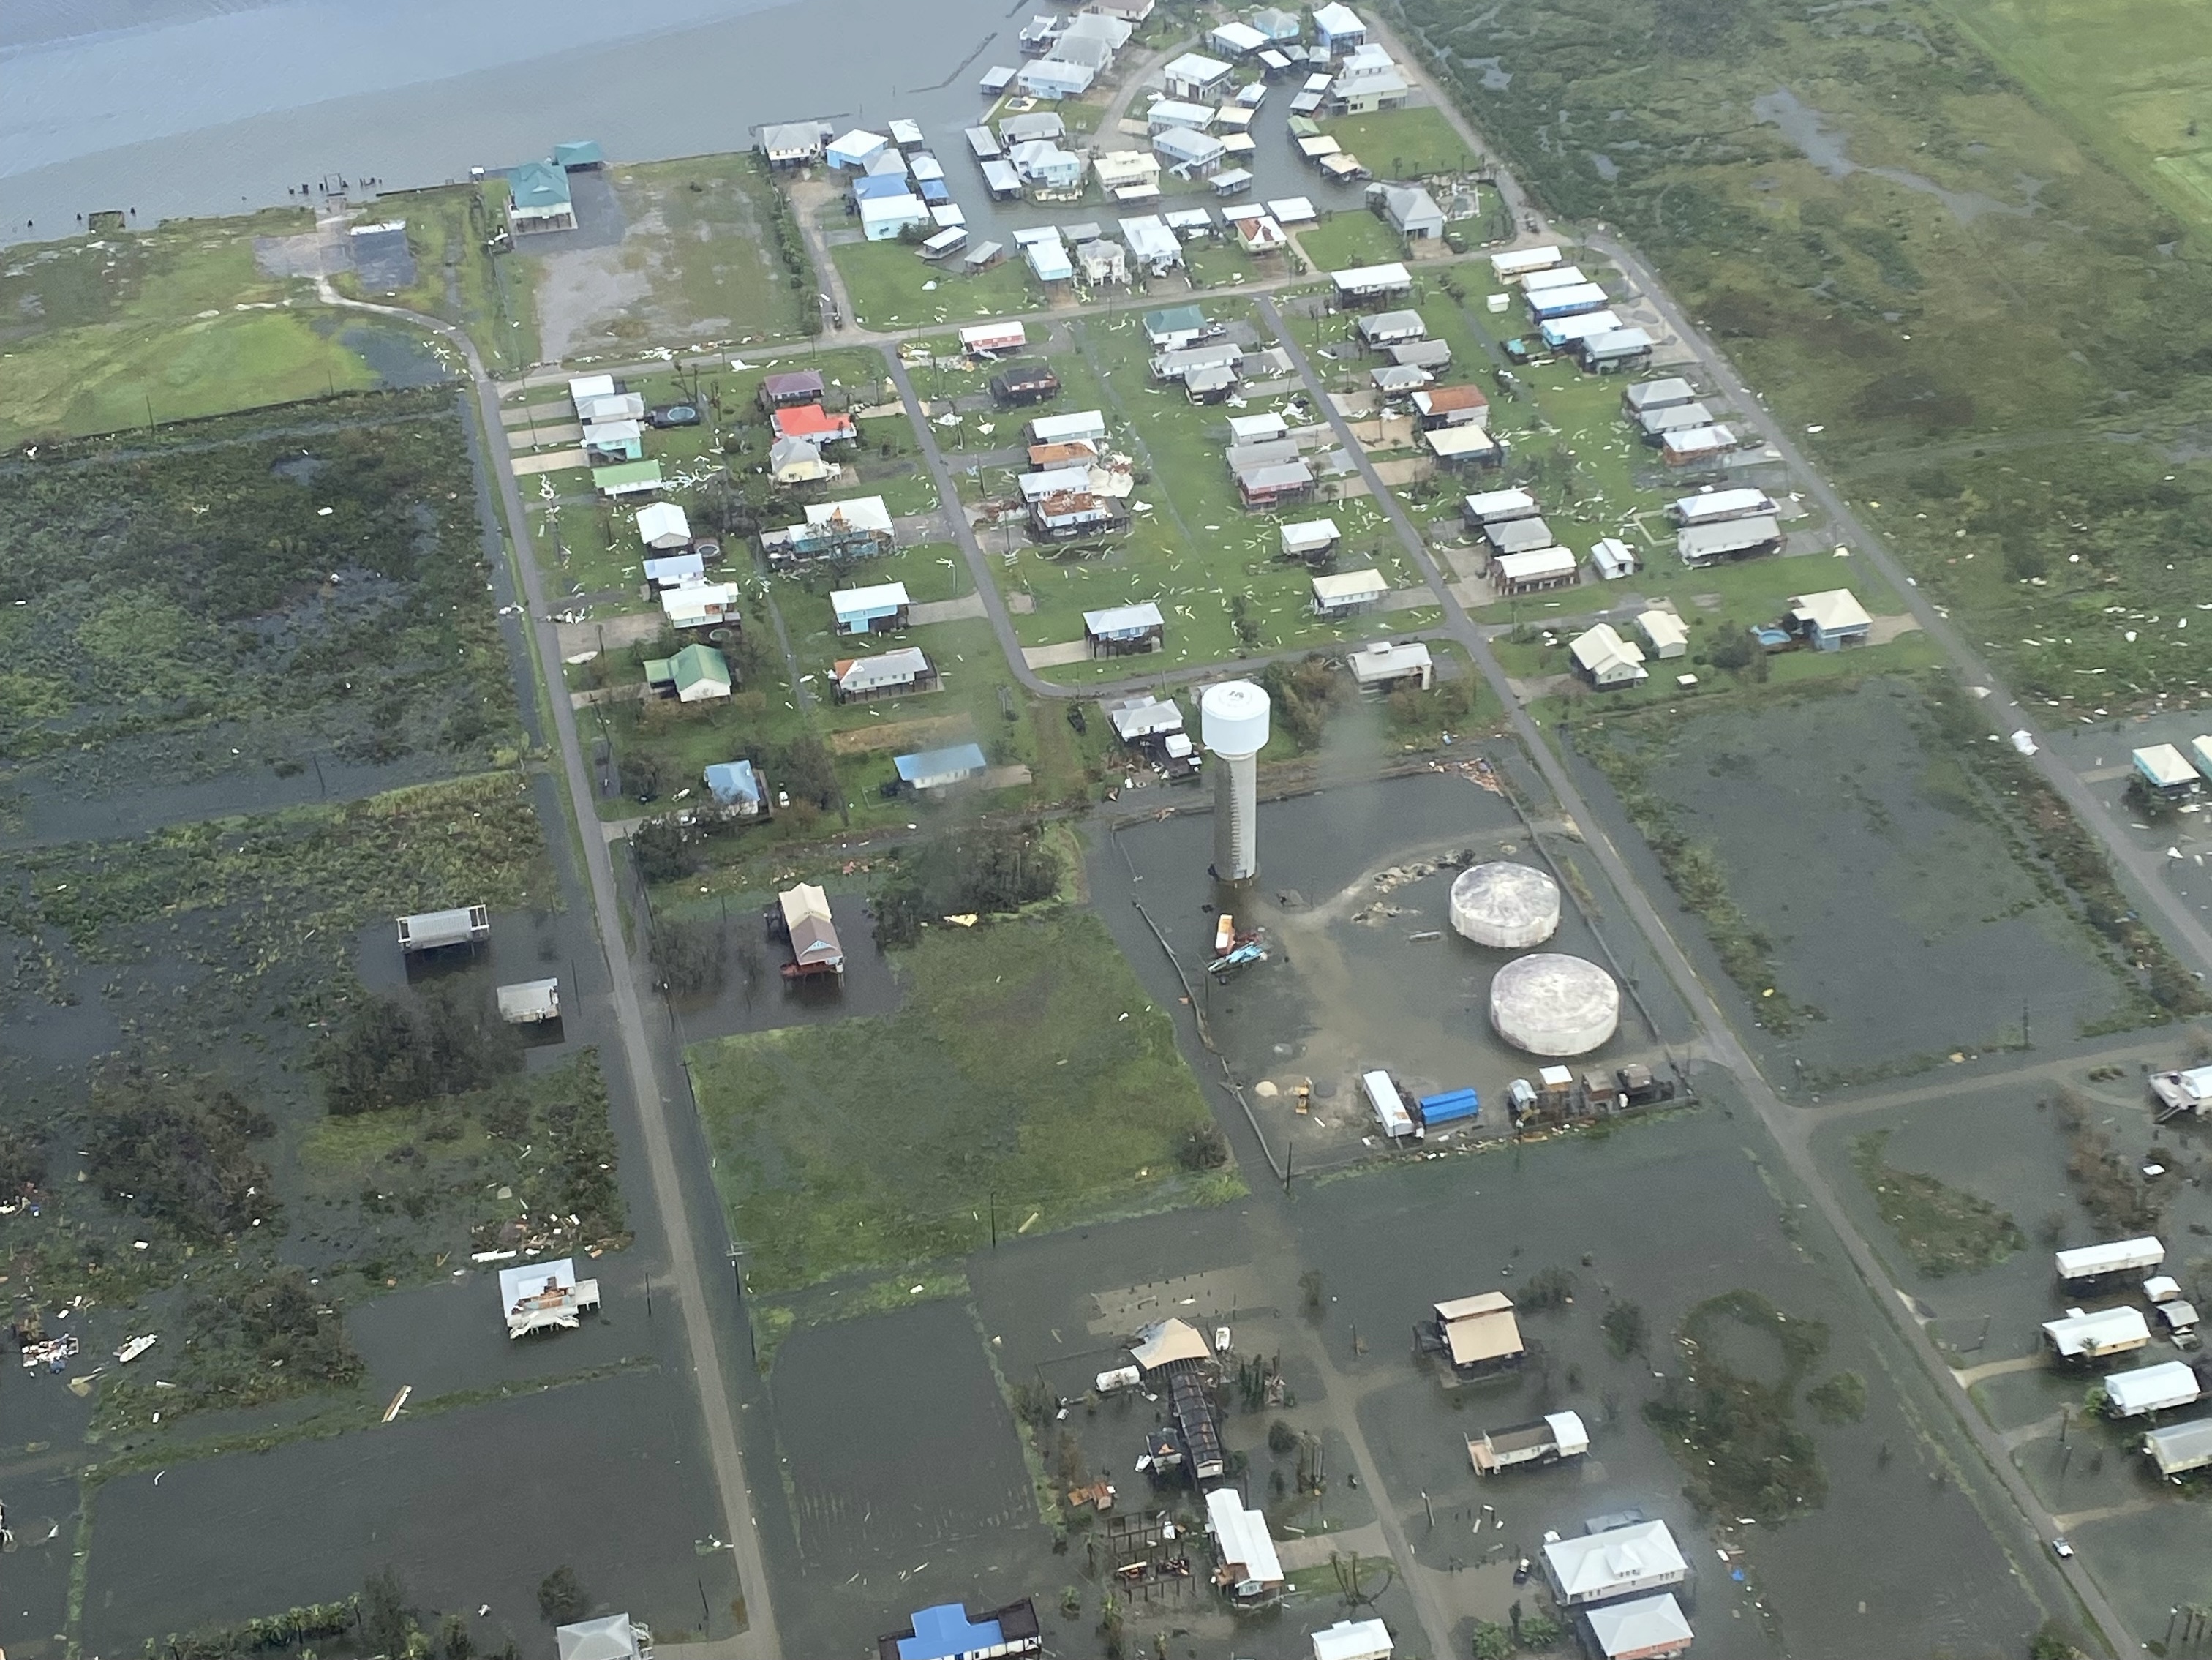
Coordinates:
x,y
519,415
608,633
962,609
1051,657
1408,470
550,461
1406,600
1006,778
1883,629
531,438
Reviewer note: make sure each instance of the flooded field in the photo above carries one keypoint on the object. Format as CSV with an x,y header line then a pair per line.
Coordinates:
x,y
2009,1142
1661,1216
331,610
1844,837
873,1490
473,1506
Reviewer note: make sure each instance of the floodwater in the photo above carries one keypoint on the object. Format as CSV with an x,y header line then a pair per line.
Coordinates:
x,y
2001,1142
1824,147
1349,988
1878,857
1667,1213
475,1505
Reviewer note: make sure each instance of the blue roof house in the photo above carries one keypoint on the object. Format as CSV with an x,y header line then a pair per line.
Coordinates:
x,y
936,769
579,152
946,1633
735,785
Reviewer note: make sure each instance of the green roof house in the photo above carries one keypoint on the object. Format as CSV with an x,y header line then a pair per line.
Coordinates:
x,y
693,676
579,152
541,200
626,477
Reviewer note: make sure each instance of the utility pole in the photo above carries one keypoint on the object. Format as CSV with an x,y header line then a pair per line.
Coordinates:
x,y
2025,1043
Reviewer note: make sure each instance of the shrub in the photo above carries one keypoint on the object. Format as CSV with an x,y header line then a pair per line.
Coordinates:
x,y
174,1146
560,1596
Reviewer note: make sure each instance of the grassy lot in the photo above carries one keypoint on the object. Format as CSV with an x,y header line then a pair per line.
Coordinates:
x,y
706,228
1913,259
2128,79
1942,1229
457,277
1028,1079
1408,144
110,333
1352,238
886,284
1192,551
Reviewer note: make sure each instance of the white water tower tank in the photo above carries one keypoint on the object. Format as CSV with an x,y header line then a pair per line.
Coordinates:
x,y
1233,723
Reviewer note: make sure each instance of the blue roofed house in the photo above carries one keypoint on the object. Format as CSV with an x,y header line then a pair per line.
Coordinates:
x,y
947,1632
876,609
938,769
736,786
538,198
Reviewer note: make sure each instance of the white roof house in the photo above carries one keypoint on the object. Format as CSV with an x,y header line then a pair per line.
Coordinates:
x,y
1338,25
1362,281
887,670
1519,262
1349,590
1349,1640
1489,506
1669,638
1599,1566
587,388
611,1636
662,524
1708,506
1391,660
2112,1256
1248,1552
1459,443
544,1297
1194,76
1606,661
1152,243
1308,536
700,605
1533,565
855,150
2080,1336
1116,168
1191,153
1644,1628
1834,614
1081,426
1414,211
2151,1388
1256,429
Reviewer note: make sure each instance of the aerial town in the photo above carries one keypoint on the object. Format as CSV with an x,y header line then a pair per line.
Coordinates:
x,y
1334,833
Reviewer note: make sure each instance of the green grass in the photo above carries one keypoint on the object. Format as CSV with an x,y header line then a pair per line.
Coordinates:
x,y
883,280
702,233
1941,1228
1408,144
1195,552
1028,1077
457,277
1966,359
106,333
1351,237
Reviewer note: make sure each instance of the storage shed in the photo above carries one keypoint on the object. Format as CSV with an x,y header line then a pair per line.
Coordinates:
x,y
1665,631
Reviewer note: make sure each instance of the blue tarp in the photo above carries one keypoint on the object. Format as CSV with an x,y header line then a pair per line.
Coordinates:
x,y
870,186
733,784
1453,1103
947,1630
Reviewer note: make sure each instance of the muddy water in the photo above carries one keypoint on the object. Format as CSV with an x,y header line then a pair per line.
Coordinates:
x,y
196,106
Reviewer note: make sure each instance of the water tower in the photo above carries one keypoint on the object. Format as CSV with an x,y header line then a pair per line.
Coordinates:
x,y
1233,723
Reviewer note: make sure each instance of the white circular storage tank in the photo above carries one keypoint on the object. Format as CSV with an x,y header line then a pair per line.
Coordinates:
x,y
1233,718
1552,1003
1505,904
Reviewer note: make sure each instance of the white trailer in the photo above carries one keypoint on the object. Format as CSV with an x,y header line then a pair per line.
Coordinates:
x,y
2114,1256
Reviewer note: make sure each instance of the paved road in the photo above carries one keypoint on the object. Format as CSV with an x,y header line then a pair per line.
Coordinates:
x,y
759,1641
